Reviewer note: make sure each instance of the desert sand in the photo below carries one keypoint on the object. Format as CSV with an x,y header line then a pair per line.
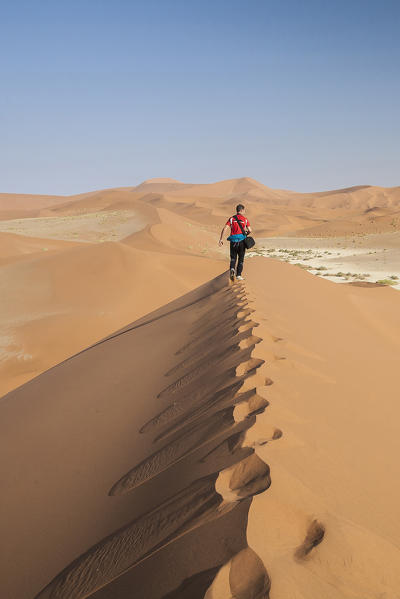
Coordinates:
x,y
371,258
168,434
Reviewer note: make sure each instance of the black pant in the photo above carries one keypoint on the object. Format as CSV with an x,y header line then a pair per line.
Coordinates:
x,y
237,251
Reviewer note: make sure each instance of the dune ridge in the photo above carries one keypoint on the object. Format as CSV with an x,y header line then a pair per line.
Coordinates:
x,y
195,467
195,420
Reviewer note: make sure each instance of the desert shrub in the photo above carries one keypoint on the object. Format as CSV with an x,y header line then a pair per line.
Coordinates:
x,y
385,282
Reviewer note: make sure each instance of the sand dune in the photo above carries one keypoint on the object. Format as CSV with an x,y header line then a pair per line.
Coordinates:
x,y
20,202
164,412
55,303
232,441
14,205
333,354
14,247
108,199
151,408
355,210
352,210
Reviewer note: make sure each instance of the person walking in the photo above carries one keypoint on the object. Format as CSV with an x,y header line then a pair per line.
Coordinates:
x,y
236,239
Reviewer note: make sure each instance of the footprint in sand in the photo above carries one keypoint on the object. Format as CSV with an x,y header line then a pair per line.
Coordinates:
x,y
277,434
314,536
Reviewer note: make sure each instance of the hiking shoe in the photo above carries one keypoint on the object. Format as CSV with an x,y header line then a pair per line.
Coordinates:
x,y
240,278
232,275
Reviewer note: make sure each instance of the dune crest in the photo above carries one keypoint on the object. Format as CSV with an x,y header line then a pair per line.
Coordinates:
x,y
183,425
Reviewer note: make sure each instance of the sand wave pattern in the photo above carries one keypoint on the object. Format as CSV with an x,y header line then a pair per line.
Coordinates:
x,y
194,431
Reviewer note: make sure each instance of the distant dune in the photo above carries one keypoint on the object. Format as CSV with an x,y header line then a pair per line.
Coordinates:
x,y
13,205
354,210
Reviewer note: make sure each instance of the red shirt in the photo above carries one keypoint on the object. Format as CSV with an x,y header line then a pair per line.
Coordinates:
x,y
235,229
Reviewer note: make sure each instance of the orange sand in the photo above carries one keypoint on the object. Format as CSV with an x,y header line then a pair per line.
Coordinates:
x,y
142,456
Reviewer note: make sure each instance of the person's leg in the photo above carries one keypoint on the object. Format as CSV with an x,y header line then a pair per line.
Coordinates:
x,y
233,251
241,252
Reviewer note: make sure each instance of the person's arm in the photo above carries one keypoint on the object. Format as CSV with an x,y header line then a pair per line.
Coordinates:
x,y
223,232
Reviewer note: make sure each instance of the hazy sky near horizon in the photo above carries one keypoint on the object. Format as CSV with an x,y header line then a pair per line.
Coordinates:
x,y
301,95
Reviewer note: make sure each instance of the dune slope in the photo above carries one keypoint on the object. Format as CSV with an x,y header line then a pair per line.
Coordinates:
x,y
151,456
125,442
56,303
329,525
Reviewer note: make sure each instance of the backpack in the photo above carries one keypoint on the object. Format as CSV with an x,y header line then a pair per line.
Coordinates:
x,y
249,241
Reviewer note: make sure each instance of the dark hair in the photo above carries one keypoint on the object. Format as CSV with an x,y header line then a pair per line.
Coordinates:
x,y
239,207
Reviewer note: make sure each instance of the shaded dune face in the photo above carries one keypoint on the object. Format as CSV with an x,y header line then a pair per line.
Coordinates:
x,y
198,418
144,508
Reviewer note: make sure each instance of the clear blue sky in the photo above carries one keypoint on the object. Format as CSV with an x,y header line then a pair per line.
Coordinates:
x,y
302,95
